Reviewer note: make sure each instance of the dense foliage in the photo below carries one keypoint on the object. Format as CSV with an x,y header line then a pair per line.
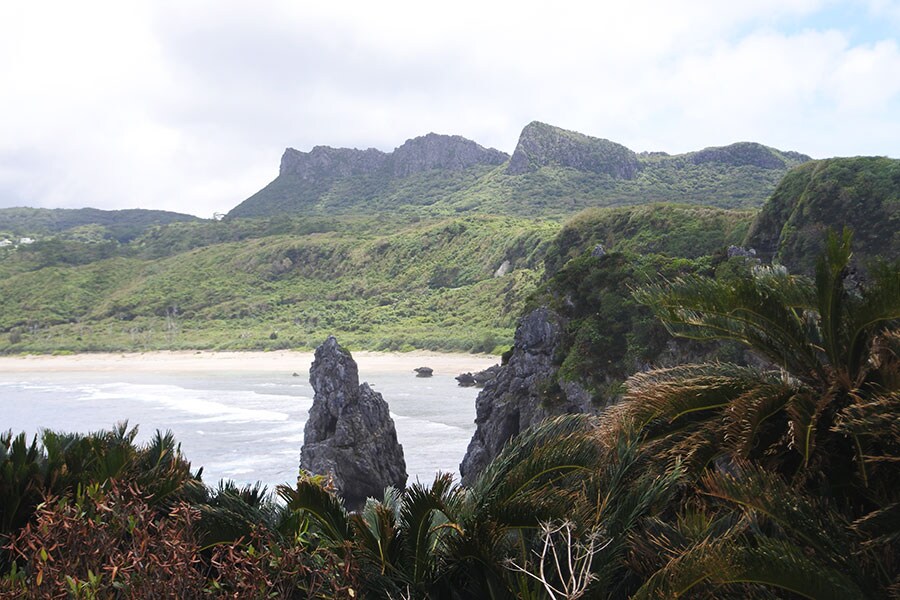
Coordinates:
x,y
454,284
87,224
707,480
600,257
861,193
380,283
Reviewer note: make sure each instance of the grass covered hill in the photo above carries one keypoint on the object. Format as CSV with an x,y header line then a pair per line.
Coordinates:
x,y
388,274
861,193
552,172
448,284
86,224
455,283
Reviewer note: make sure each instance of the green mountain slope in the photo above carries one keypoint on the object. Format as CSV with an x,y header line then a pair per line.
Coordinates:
x,y
455,283
84,223
552,172
862,193
451,284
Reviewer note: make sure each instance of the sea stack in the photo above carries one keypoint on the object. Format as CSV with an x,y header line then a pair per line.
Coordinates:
x,y
350,434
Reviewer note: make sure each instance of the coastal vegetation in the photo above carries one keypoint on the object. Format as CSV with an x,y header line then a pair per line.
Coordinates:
x,y
436,245
706,480
742,441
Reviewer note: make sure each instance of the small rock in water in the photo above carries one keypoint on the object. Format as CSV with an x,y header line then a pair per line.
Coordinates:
x,y
424,371
466,379
295,374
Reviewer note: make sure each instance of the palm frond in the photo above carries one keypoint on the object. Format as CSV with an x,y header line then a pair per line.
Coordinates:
x,y
875,416
760,561
323,508
426,522
376,532
766,310
523,485
831,296
763,494
672,393
880,527
750,412
858,316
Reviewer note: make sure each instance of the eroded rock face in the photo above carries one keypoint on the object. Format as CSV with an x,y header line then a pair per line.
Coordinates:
x,y
435,151
524,392
350,434
417,155
543,145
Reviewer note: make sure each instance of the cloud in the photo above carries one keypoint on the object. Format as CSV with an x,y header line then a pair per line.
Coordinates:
x,y
187,105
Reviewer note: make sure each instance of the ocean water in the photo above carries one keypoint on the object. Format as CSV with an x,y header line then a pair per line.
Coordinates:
x,y
246,427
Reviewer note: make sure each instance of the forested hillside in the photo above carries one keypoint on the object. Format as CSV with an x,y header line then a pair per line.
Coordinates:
x,y
438,245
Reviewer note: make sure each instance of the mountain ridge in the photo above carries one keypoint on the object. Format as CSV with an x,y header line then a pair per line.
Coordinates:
x,y
550,170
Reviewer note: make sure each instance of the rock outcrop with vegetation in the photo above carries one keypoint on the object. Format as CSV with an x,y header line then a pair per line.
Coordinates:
x,y
350,435
308,179
525,392
860,193
542,145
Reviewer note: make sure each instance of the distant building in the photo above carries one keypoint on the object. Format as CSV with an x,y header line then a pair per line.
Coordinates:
x,y
26,240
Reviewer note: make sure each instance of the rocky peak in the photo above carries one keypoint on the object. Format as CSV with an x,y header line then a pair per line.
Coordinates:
x,y
747,154
350,434
419,154
324,162
543,145
434,151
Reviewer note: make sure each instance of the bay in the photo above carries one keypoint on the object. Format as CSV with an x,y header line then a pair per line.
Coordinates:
x,y
243,426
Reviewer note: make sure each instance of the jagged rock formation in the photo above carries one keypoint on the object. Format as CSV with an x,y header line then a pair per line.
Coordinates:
x,y
541,145
304,178
419,154
435,151
350,434
524,392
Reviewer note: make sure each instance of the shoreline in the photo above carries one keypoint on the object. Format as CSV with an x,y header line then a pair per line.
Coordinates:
x,y
250,361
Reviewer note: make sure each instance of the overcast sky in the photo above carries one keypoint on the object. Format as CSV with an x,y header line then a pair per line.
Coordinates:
x,y
188,106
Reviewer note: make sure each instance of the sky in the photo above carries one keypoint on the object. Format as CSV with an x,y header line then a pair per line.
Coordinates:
x,y
188,105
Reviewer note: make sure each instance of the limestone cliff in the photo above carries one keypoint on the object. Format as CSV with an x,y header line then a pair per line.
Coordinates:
x,y
350,434
543,145
517,398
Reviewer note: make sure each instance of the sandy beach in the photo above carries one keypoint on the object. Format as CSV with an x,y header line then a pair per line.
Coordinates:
x,y
276,361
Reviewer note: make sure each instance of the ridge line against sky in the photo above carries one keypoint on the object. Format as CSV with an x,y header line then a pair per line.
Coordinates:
x,y
187,106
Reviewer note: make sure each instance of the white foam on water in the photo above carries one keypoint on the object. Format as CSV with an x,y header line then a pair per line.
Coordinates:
x,y
194,402
236,427
423,425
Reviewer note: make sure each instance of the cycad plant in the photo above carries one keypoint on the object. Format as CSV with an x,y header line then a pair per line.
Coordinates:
x,y
452,542
829,366
795,461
